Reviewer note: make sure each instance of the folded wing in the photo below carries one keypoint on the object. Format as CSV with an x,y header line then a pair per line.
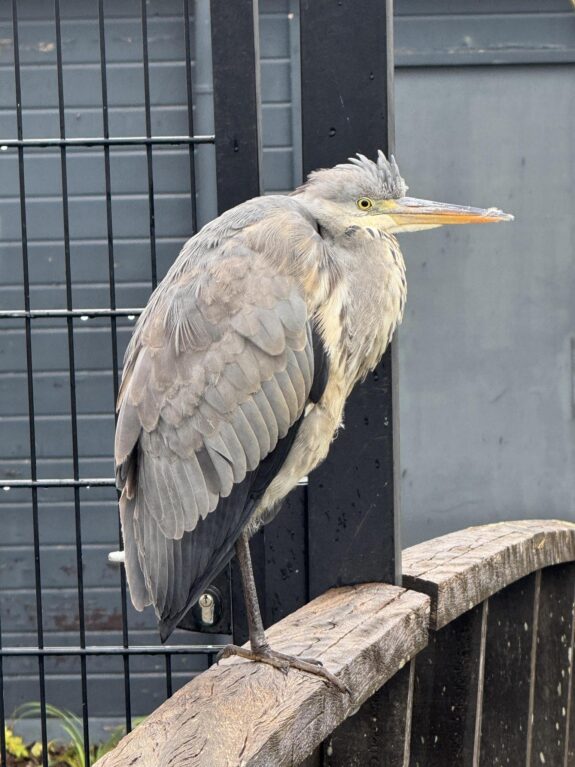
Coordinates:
x,y
215,382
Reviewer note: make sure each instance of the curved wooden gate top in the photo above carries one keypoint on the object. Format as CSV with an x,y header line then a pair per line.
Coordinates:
x,y
470,663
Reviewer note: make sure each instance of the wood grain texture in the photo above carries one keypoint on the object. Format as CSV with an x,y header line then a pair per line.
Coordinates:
x,y
462,569
244,714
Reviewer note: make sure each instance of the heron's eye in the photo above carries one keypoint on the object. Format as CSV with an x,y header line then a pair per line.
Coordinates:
x,y
364,203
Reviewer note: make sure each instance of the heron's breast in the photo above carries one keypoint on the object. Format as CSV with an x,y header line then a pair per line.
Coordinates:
x,y
358,319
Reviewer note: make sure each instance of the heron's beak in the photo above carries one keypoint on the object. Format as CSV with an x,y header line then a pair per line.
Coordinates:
x,y
409,212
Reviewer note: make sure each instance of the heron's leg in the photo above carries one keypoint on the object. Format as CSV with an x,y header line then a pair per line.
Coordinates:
x,y
258,639
260,648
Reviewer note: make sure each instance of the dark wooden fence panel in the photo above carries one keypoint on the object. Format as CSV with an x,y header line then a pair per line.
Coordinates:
x,y
379,733
501,614
570,716
492,687
445,705
506,689
553,666
314,760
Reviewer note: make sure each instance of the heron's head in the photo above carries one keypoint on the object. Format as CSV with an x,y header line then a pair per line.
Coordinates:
x,y
373,194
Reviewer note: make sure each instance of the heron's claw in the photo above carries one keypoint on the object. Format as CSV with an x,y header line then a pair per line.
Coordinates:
x,y
313,661
283,662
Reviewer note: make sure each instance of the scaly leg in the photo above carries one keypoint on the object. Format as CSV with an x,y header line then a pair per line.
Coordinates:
x,y
260,649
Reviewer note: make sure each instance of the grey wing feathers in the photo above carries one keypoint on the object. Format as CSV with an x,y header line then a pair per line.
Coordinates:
x,y
219,369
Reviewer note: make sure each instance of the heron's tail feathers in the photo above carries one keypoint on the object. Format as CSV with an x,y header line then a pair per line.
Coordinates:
x,y
134,573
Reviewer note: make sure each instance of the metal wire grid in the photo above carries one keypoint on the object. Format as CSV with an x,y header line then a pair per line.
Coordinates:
x,y
71,314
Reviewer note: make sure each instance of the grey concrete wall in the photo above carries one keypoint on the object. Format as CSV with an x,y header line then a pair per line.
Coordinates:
x,y
486,378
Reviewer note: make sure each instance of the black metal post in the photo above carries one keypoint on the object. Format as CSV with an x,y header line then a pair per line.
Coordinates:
x,y
149,156
347,107
235,61
190,95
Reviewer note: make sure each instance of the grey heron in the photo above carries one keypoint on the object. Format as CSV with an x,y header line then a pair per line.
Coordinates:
x,y
236,376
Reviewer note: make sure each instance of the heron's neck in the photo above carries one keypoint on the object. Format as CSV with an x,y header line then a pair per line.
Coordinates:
x,y
362,314
332,220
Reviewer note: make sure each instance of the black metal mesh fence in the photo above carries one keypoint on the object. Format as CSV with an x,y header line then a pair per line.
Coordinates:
x,y
92,183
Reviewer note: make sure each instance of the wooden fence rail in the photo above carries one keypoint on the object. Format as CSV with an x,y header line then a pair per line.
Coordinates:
x,y
470,663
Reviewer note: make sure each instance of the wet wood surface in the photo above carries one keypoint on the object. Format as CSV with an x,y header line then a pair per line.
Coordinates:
x,y
492,685
462,569
249,714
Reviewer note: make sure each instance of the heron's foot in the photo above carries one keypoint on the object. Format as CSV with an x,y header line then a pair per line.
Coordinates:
x,y
283,662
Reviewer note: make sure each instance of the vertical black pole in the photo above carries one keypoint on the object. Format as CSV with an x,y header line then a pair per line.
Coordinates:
x,y
347,107
235,62
149,155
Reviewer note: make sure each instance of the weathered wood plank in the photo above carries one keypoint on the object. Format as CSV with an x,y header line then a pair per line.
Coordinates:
x,y
445,696
380,731
464,568
507,698
552,665
243,713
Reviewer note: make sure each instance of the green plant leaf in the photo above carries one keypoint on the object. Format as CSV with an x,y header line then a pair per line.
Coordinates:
x,y
74,755
69,722
15,745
